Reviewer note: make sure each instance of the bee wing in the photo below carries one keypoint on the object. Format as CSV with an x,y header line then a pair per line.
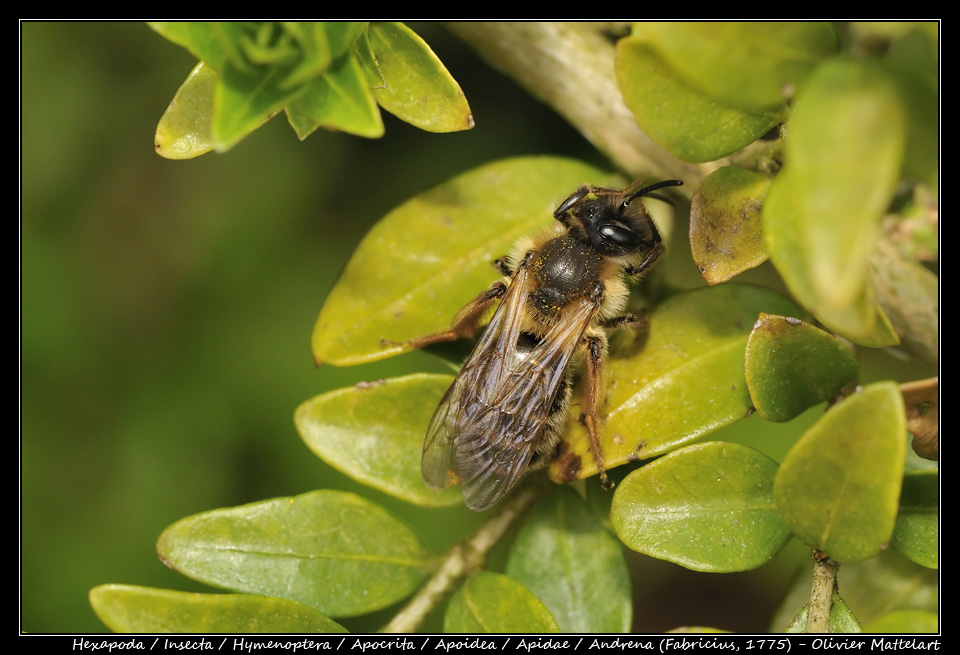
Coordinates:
x,y
479,375
489,425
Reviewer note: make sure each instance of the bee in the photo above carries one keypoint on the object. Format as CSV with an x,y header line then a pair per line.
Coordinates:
x,y
561,289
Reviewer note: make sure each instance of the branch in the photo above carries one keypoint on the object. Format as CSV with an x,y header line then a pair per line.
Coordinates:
x,y
462,560
821,595
570,67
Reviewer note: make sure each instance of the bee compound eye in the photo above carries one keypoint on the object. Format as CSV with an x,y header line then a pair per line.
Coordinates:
x,y
618,235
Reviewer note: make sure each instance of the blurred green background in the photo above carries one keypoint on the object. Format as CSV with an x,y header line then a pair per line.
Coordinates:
x,y
166,312
166,307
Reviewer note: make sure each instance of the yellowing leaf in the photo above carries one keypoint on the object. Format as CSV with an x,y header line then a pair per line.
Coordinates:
x,y
374,433
726,235
410,82
678,382
425,260
185,129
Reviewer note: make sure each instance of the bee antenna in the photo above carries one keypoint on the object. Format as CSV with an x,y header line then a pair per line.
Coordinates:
x,y
650,189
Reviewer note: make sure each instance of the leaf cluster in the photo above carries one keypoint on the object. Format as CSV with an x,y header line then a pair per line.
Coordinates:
x,y
823,148
330,75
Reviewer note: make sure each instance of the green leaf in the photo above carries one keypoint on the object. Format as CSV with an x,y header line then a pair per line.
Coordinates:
x,y
844,155
197,37
186,127
708,507
342,35
573,565
845,149
918,93
339,100
331,550
374,433
409,80
691,125
792,366
838,486
268,44
676,383
425,260
311,49
842,620
750,65
127,608
726,236
229,36
917,530
905,622
493,603
261,68
245,101
785,229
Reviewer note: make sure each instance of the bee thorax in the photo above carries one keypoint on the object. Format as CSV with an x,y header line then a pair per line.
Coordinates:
x,y
565,269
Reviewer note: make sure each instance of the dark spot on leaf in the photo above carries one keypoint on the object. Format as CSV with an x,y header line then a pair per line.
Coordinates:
x,y
639,449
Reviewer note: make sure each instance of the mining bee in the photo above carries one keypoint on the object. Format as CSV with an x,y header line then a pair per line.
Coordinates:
x,y
504,413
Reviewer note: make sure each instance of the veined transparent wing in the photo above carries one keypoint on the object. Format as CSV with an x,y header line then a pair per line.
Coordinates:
x,y
489,424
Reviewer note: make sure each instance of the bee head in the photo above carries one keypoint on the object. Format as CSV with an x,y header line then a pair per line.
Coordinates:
x,y
610,220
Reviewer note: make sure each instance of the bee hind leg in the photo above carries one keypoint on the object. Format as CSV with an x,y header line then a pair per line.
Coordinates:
x,y
464,324
593,396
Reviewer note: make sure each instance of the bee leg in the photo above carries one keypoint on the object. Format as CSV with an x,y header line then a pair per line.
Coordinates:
x,y
626,322
647,262
502,264
465,323
596,345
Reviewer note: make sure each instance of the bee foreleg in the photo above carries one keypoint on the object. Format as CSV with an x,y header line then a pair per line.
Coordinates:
x,y
647,262
464,324
593,396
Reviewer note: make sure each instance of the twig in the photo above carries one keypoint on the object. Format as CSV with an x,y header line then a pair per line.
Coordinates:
x,y
462,560
821,595
570,67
